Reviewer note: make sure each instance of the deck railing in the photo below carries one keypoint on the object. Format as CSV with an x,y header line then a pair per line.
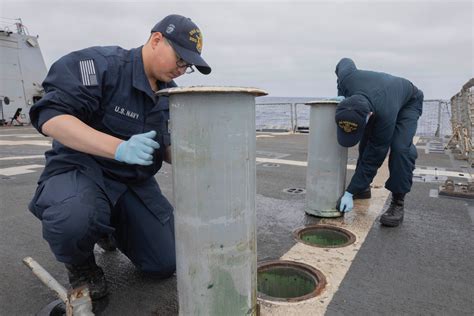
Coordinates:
x,y
293,117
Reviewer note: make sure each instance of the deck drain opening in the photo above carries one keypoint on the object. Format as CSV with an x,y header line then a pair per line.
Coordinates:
x,y
295,190
288,281
55,308
325,236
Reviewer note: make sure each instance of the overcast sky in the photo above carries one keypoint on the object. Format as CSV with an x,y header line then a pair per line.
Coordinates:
x,y
288,48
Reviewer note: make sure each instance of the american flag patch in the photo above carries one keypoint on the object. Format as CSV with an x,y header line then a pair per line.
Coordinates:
x,y
89,77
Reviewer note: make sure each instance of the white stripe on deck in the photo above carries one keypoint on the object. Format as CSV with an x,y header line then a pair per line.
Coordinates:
x,y
16,129
416,172
25,142
283,162
13,171
22,157
21,135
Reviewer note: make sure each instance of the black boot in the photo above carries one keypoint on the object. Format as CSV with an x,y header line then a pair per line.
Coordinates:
x,y
90,274
393,216
365,194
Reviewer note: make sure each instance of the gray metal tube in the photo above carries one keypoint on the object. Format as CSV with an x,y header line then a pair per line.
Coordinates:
x,y
213,158
46,278
327,161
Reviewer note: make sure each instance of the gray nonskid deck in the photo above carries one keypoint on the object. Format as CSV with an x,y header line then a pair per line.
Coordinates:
x,y
423,267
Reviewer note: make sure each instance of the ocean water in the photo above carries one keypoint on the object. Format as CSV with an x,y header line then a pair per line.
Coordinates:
x,y
286,113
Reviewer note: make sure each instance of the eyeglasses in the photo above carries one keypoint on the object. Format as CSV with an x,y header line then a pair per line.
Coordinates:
x,y
180,62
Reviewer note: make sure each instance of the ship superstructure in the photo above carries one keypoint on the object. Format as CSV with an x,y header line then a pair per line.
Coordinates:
x,y
22,69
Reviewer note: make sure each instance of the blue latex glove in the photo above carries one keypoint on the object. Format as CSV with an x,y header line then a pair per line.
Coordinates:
x,y
347,203
138,150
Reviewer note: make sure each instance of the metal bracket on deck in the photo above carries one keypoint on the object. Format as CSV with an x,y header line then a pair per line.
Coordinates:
x,y
77,301
459,190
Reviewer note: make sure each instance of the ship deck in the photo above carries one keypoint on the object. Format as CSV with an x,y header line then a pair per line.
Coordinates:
x,y
425,266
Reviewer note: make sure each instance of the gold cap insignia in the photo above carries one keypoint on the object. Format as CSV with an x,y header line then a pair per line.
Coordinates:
x,y
196,37
347,126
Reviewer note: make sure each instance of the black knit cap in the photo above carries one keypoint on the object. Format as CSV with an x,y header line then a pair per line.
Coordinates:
x,y
351,118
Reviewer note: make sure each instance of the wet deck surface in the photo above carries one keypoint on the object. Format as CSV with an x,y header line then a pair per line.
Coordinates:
x,y
423,267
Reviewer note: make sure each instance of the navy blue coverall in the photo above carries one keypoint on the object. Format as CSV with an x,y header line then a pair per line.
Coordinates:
x,y
81,197
396,105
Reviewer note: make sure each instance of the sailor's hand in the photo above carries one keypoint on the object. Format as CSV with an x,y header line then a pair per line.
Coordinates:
x,y
138,150
347,203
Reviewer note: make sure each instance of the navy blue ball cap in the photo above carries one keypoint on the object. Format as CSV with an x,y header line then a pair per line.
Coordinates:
x,y
186,39
351,118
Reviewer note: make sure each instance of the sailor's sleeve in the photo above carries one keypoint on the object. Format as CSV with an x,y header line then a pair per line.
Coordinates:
x,y
72,86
